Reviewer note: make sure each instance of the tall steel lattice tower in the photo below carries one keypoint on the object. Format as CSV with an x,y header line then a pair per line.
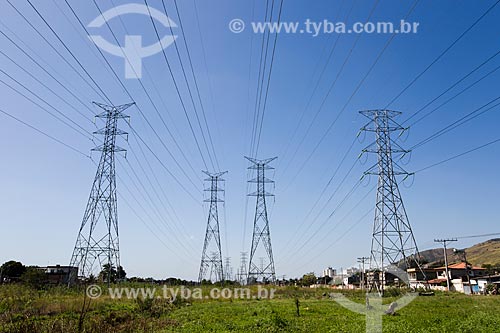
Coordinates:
x,y
242,274
97,242
228,271
212,261
393,248
261,236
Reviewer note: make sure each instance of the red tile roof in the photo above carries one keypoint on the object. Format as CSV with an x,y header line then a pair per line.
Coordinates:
x,y
460,265
440,280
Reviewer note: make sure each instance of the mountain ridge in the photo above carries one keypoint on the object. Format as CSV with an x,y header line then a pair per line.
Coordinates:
x,y
480,254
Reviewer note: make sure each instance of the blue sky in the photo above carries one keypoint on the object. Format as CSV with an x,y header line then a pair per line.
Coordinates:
x,y
45,185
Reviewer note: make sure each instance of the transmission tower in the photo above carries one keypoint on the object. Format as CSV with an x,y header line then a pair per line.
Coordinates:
x,y
393,246
212,234
261,236
97,243
243,268
227,269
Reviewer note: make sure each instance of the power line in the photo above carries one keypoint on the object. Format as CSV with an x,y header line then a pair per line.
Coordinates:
x,y
204,53
31,58
84,133
333,243
44,133
246,120
258,94
155,209
122,198
324,190
163,164
53,48
458,155
70,52
194,77
323,208
449,88
176,86
323,71
58,81
331,88
341,203
152,172
268,81
130,96
189,88
377,59
260,79
442,54
468,117
173,137
181,254
87,156
40,65
455,96
45,86
326,234
479,236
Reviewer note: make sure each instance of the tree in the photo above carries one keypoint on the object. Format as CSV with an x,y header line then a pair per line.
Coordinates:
x,y
111,274
308,279
34,277
11,271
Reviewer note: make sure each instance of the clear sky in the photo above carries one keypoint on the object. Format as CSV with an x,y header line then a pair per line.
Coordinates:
x,y
45,186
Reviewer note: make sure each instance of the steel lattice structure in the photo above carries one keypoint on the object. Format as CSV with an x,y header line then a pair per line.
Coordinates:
x,y
97,243
393,244
227,269
212,262
261,236
242,272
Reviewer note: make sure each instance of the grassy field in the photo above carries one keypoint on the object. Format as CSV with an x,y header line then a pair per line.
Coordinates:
x,y
59,310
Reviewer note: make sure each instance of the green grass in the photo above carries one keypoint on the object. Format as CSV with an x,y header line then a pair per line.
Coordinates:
x,y
58,310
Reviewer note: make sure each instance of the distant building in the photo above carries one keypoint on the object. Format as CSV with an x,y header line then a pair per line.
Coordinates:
x,y
352,271
329,272
457,273
60,274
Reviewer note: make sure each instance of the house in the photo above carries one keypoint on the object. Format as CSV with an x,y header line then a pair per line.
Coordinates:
x,y
483,281
459,270
462,278
418,277
60,274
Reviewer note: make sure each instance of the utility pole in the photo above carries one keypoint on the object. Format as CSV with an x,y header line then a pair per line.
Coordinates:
x,y
444,242
212,234
393,242
97,243
466,268
261,235
362,261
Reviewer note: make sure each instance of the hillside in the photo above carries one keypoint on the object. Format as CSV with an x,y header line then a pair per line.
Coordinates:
x,y
482,253
485,253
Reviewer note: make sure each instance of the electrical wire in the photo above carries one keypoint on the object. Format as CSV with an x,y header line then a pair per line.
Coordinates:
x,y
44,133
463,120
412,82
194,78
451,87
82,132
176,87
458,155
